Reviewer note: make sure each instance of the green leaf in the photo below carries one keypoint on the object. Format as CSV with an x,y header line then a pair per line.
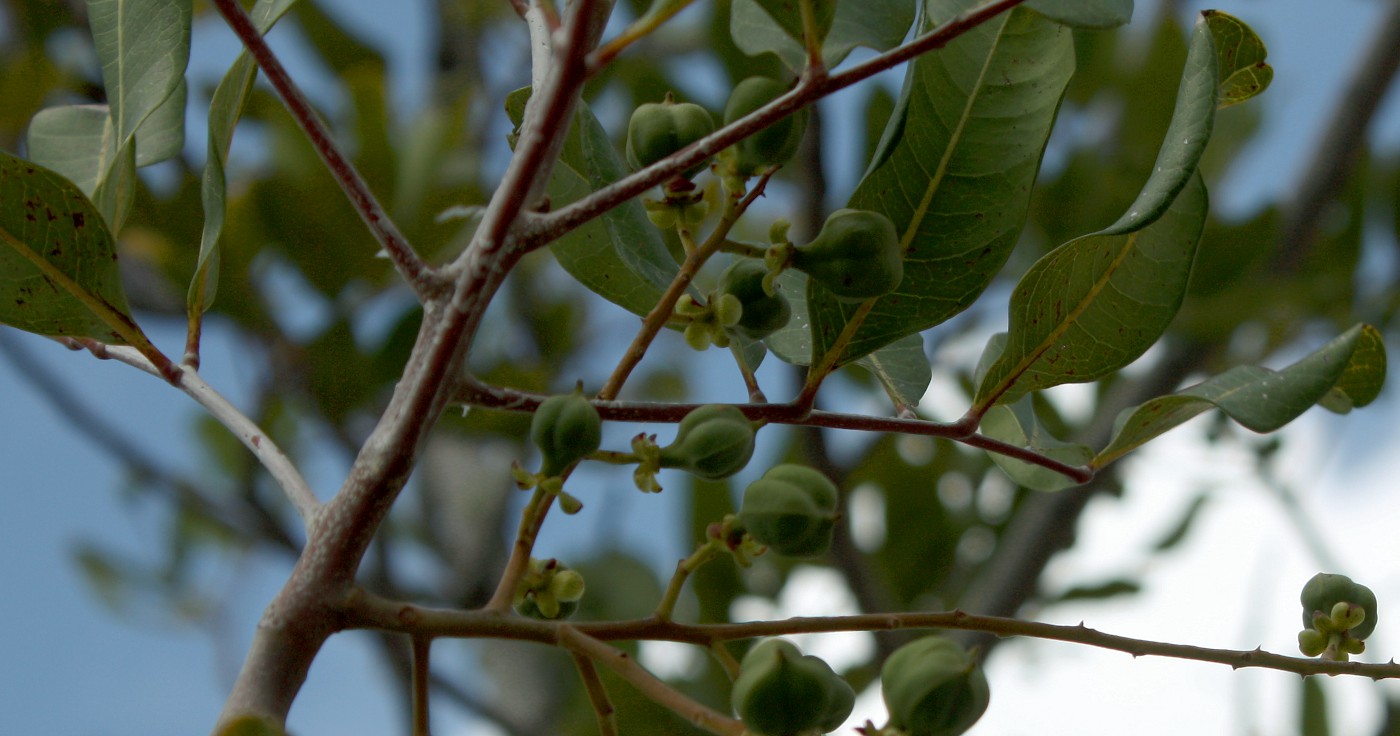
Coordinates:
x,y
1096,303
619,256
903,368
788,15
1017,424
225,108
956,182
58,269
162,134
1345,373
1085,13
76,141
1240,55
144,46
876,24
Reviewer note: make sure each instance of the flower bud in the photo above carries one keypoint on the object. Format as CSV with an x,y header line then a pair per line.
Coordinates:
x,y
856,256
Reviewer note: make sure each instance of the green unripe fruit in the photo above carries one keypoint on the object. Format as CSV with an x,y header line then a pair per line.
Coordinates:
x,y
932,687
659,129
841,700
774,144
1324,591
791,510
566,429
763,313
781,692
713,442
856,256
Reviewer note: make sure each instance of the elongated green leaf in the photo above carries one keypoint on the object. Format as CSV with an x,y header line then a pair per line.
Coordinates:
x,y
1096,303
58,269
902,367
956,182
1345,373
225,108
76,141
116,189
162,134
1085,13
1240,54
1187,136
144,46
877,24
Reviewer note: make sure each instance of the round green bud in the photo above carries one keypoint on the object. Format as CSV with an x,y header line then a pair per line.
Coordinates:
x,y
933,688
713,441
659,129
566,429
763,313
1324,591
791,510
1312,642
548,591
774,144
781,692
856,256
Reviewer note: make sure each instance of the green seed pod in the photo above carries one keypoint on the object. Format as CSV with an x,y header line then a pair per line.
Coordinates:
x,y
763,313
781,692
659,129
713,442
773,145
933,688
1324,591
566,429
856,256
792,510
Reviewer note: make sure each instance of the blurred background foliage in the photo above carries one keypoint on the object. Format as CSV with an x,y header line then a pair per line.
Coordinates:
x,y
329,326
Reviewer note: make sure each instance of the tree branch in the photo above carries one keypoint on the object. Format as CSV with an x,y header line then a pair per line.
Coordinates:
x,y
420,276
367,610
543,229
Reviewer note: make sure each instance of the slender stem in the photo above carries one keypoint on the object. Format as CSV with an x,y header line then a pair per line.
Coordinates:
x,y
639,29
661,313
811,36
246,430
421,680
597,695
726,658
419,275
692,711
474,393
684,568
831,359
368,611
255,439
531,520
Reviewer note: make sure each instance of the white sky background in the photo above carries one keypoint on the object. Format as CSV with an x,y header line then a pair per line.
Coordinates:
x,y
68,667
